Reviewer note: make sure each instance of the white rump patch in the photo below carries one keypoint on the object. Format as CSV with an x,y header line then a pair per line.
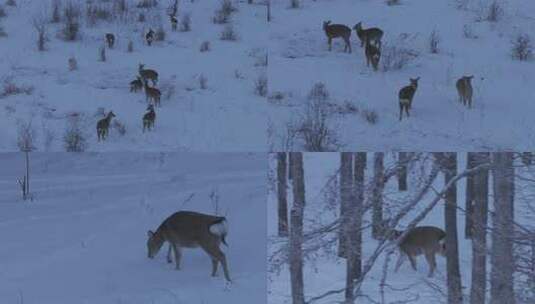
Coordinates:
x,y
219,228
404,101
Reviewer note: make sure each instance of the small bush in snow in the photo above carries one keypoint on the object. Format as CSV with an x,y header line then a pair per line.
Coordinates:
x,y
102,54
370,116
147,3
521,48
11,3
222,15
434,41
261,86
462,4
160,34
40,27
228,33
392,2
119,127
94,13
262,61
120,6
227,7
185,23
295,4
205,46
56,14
396,57
74,140
2,12
468,32
71,25
141,18
130,47
2,32
495,12
10,88
203,82
73,64
25,136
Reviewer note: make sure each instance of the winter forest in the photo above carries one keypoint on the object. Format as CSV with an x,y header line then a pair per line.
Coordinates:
x,y
342,227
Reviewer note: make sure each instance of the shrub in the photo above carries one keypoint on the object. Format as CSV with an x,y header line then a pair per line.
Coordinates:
x,y
294,4
261,86
11,3
160,34
10,88
468,32
205,46
141,18
130,47
396,56
94,13
223,14
522,48
495,12
203,82
56,8
119,127
74,139
73,64
2,32
25,136
228,33
185,23
370,116
434,41
40,27
147,3
2,12
71,25
392,2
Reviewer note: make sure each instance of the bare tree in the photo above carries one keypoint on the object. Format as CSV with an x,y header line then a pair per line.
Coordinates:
x,y
449,165
296,228
26,135
377,195
469,196
402,173
281,194
40,25
501,260
479,232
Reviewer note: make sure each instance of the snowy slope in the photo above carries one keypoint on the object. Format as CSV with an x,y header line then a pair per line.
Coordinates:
x,y
190,118
327,272
503,88
83,238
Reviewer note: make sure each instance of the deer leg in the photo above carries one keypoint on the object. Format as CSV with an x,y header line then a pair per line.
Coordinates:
x,y
413,262
400,261
214,267
430,257
169,258
215,253
407,107
330,43
178,256
400,111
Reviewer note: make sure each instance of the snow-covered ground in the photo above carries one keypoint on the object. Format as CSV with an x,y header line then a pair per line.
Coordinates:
x,y
325,271
83,237
503,104
225,116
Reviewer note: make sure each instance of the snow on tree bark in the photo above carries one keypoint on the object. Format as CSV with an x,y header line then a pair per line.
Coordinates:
x,y
296,228
377,195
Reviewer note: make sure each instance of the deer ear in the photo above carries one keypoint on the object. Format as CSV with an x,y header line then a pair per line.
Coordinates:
x,y
150,234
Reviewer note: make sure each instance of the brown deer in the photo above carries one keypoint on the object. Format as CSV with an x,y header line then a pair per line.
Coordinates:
x,y
406,94
103,126
149,118
148,74
373,55
368,35
335,31
186,229
110,38
464,88
149,37
426,240
136,85
152,94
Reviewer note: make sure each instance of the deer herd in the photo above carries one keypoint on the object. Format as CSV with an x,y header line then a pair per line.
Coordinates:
x,y
370,39
152,94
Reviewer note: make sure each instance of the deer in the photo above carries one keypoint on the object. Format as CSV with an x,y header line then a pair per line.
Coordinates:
x,y
422,240
187,229
464,88
103,126
110,38
149,37
136,85
152,94
373,55
148,74
367,35
149,118
335,31
174,22
406,94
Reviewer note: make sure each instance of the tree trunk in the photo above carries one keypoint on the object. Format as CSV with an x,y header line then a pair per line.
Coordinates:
x,y
281,194
268,10
346,197
360,167
402,173
479,233
27,173
469,203
377,195
296,229
501,260
449,162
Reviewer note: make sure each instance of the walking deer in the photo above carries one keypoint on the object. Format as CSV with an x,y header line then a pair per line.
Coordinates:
x,y
149,37
148,74
110,38
149,118
423,240
373,55
367,35
406,94
103,126
186,229
464,88
335,31
136,85
152,94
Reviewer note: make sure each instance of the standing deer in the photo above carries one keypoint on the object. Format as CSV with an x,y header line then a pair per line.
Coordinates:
x,y
174,22
464,88
149,37
426,240
148,74
373,55
186,229
136,85
149,118
367,35
406,94
110,38
152,94
103,126
335,31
